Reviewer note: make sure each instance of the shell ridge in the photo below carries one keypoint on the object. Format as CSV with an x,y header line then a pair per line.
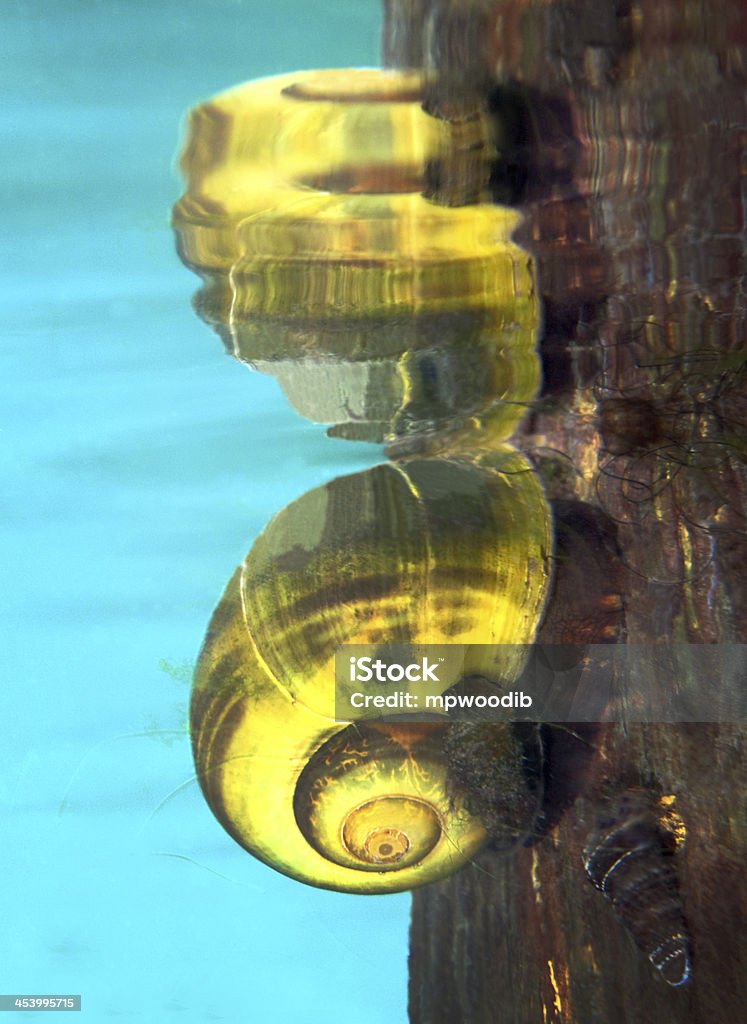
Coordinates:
x,y
427,549
268,671
271,675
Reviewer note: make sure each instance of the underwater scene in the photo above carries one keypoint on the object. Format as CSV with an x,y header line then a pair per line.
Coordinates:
x,y
375,516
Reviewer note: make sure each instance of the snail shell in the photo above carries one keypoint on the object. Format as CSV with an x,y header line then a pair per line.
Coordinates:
x,y
425,551
629,858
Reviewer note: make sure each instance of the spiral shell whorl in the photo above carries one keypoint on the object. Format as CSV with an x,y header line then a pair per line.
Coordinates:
x,y
408,816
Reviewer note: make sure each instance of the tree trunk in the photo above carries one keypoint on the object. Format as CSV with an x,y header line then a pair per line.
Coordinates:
x,y
622,134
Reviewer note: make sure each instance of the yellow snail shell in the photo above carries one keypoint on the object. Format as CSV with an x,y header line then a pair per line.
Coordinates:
x,y
424,551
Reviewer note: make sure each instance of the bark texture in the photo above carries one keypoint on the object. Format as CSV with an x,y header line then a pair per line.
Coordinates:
x,y
622,132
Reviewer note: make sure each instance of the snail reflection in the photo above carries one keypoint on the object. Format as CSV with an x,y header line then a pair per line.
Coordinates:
x,y
393,319
378,311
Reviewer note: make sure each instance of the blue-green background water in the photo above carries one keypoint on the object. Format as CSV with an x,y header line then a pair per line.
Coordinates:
x,y
138,464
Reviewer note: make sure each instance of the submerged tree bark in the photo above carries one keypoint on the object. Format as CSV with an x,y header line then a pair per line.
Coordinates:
x,y
622,133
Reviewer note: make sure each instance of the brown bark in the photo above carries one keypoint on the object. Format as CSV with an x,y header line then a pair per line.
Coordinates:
x,y
633,188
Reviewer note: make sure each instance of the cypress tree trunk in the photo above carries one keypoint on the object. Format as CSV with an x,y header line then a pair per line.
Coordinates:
x,y
622,132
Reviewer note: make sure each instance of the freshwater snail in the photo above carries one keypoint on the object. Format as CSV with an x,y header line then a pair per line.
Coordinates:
x,y
629,858
424,551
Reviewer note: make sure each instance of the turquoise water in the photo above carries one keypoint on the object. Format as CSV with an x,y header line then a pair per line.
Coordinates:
x,y
138,464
